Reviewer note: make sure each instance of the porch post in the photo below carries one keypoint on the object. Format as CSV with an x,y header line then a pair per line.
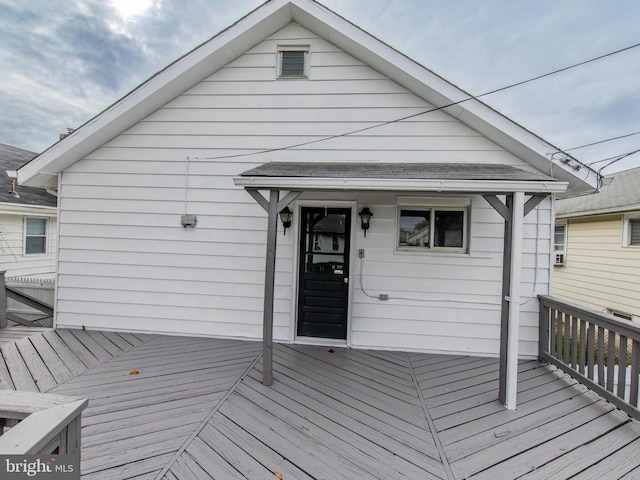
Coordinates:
x,y
515,278
513,211
272,207
269,281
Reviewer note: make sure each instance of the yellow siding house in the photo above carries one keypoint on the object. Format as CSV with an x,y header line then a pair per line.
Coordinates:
x,y
597,248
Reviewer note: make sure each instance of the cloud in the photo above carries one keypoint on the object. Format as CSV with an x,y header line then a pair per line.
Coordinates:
x,y
64,62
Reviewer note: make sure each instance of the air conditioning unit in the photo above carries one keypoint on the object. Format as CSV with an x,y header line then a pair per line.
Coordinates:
x,y
559,259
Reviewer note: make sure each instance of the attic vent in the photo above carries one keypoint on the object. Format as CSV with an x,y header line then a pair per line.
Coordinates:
x,y
292,62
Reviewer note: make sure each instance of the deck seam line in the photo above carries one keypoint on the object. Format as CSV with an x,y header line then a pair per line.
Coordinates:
x,y
432,427
206,420
133,347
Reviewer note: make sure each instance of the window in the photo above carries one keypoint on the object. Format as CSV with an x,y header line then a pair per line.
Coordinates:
x,y
293,62
442,229
35,236
560,244
631,230
634,231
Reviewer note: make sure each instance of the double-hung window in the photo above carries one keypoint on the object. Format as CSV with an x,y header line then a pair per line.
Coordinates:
x,y
560,244
433,229
35,236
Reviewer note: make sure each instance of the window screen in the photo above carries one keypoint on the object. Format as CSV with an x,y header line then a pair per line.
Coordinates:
x,y
292,63
35,239
634,232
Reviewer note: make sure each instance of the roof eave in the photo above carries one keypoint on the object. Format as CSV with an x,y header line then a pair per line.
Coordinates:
x,y
600,211
399,185
157,92
259,24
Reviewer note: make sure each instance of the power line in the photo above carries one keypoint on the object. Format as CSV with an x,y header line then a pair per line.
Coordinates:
x,y
471,97
602,141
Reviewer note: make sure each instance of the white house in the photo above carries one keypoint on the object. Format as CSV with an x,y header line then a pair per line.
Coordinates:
x,y
28,218
293,106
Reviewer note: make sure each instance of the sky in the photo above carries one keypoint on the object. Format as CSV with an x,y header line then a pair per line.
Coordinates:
x,y
63,62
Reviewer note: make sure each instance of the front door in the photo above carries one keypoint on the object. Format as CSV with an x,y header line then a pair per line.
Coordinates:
x,y
324,272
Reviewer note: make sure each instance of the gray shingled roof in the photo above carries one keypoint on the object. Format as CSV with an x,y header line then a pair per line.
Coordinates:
x,y
622,195
12,158
430,171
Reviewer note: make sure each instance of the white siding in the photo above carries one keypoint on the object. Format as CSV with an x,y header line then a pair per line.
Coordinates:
x,y
126,263
12,258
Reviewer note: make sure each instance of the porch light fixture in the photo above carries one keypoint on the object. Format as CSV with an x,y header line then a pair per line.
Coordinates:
x,y
285,218
365,218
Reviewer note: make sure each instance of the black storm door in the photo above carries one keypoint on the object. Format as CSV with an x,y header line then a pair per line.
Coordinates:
x,y
324,272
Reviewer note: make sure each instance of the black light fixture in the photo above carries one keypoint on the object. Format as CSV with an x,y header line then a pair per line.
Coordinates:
x,y
365,218
285,218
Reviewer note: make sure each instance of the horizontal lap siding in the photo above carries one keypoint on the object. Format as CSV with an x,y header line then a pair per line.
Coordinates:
x,y
12,258
446,302
126,262
599,273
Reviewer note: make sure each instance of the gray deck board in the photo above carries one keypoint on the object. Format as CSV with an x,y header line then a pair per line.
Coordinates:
x,y
41,375
72,360
81,351
412,449
357,449
20,373
549,443
220,426
58,368
301,448
246,465
589,454
196,409
387,399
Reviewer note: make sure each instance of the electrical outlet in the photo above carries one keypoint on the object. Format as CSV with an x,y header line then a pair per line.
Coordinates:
x,y
361,253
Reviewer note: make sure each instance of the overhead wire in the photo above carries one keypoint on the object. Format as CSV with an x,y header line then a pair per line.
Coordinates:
x,y
407,117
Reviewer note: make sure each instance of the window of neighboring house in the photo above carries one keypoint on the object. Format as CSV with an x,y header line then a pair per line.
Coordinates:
x,y
560,244
631,230
35,236
634,231
433,229
293,62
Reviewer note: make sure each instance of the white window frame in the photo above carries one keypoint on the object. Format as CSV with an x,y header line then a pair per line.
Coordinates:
x,y
25,236
560,254
293,48
626,229
435,205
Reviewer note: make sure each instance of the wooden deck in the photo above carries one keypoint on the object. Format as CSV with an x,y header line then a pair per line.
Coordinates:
x,y
179,408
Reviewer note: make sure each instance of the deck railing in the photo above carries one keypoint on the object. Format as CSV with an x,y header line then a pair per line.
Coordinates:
x,y
40,423
10,292
600,351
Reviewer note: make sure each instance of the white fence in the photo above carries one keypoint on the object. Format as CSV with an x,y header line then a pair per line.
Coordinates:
x,y
42,289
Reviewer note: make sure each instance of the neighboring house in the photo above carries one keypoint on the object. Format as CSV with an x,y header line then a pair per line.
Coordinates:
x,y
597,246
28,227
265,107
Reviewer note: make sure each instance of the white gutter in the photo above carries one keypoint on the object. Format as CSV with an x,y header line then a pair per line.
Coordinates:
x,y
401,184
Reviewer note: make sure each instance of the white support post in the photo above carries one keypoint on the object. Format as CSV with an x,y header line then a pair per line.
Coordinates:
x,y
515,279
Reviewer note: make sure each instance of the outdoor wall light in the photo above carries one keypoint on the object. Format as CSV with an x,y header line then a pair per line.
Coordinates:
x,y
285,218
365,218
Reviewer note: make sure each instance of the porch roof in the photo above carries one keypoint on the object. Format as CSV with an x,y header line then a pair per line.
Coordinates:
x,y
400,176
